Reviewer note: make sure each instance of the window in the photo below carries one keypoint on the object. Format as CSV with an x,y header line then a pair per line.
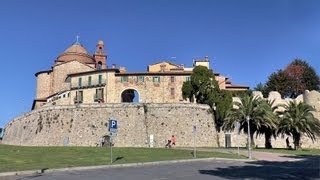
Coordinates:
x,y
99,66
156,79
188,78
172,79
79,97
140,78
80,82
99,95
124,78
100,79
89,80
172,91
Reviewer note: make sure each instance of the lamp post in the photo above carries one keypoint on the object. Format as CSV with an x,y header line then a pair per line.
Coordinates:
x,y
249,138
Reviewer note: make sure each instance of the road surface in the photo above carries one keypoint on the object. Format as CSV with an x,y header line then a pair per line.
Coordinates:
x,y
305,167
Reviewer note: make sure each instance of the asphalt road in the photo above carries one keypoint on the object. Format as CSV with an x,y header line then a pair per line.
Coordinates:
x,y
303,168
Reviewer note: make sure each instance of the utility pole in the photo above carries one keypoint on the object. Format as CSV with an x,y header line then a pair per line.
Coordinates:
x,y
249,138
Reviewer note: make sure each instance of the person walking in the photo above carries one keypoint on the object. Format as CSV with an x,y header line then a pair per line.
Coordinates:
x,y
173,140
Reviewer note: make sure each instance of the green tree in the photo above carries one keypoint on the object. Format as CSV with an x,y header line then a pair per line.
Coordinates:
x,y
204,89
252,108
269,129
262,88
297,77
297,119
304,75
187,91
202,86
223,105
281,82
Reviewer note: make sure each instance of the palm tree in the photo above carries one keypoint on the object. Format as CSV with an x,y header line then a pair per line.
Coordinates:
x,y
269,128
296,120
252,108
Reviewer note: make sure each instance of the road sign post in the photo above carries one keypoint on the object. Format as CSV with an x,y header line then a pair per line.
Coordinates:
x,y
238,132
110,149
113,129
194,130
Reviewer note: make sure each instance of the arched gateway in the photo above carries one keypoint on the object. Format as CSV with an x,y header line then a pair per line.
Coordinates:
x,y
129,96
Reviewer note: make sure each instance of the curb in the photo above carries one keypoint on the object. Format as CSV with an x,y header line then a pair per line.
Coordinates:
x,y
81,168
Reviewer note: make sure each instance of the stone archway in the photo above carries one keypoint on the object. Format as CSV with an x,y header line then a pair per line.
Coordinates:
x,y
129,96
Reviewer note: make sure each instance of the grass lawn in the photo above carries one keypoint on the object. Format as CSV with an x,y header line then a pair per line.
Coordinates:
x,y
19,158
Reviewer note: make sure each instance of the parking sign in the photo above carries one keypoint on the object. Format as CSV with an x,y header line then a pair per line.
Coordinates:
x,y
113,125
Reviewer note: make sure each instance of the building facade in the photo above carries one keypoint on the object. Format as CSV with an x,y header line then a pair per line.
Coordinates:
x,y
77,77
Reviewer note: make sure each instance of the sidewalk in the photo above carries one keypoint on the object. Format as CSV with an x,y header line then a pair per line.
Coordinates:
x,y
258,155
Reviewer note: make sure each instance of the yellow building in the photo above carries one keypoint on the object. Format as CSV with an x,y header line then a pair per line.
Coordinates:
x,y
78,77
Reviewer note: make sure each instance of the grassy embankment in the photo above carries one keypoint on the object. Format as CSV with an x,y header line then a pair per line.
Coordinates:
x,y
18,158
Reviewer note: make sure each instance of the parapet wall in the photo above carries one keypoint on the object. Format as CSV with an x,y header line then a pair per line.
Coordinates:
x,y
138,123
85,124
310,97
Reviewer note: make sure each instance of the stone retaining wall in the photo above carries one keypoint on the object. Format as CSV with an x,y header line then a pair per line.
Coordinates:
x,y
85,124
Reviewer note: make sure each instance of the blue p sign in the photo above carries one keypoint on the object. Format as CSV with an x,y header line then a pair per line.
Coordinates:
x,y
113,124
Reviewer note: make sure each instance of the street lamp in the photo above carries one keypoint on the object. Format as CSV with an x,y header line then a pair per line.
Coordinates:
x,y
249,138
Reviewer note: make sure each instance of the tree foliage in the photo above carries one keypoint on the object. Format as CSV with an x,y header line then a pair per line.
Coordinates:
x,y
204,89
262,88
223,105
202,86
297,119
297,77
281,82
304,74
271,114
253,108
187,91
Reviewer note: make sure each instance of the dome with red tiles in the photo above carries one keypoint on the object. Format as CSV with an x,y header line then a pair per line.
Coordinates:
x,y
76,52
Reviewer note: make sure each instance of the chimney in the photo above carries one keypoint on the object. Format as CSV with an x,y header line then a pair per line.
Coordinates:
x,y
114,66
122,69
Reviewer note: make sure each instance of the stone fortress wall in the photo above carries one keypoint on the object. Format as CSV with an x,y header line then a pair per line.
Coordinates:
x,y
139,123
310,97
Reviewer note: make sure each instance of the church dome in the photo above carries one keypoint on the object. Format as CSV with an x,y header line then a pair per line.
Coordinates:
x,y
76,52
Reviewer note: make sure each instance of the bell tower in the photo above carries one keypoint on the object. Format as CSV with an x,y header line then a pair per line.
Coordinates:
x,y
100,56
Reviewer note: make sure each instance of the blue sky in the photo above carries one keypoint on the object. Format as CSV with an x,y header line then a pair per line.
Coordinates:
x,y
245,40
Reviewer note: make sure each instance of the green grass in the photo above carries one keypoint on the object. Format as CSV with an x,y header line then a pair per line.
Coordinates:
x,y
19,158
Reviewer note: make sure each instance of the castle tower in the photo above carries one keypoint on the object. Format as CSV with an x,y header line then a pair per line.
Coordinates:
x,y
100,56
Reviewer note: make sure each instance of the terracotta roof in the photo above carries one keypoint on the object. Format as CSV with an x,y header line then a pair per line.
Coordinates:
x,y
164,62
236,86
37,100
76,52
40,72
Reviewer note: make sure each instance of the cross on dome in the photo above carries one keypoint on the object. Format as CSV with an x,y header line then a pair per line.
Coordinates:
x,y
77,39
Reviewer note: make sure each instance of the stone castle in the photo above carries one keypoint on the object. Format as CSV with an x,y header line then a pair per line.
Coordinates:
x,y
76,98
77,77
